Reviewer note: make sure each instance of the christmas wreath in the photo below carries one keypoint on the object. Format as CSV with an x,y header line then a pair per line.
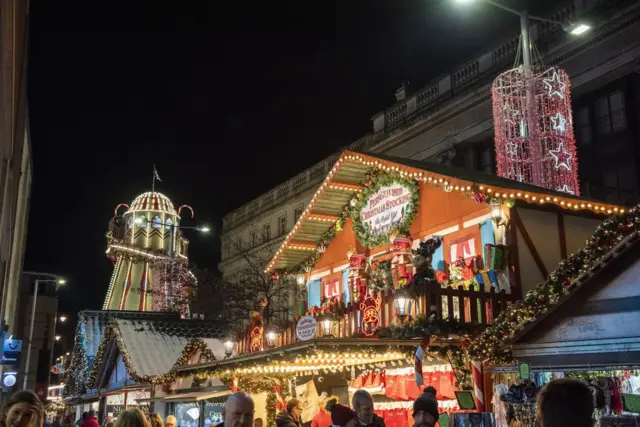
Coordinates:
x,y
381,278
375,181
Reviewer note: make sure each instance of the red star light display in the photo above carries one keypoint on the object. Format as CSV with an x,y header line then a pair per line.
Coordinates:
x,y
533,124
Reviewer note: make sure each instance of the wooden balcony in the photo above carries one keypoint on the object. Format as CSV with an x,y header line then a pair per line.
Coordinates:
x,y
470,305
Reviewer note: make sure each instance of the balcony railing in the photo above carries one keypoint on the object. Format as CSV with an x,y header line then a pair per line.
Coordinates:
x,y
469,305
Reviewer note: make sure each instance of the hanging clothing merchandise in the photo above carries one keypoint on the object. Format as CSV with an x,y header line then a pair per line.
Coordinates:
x,y
499,407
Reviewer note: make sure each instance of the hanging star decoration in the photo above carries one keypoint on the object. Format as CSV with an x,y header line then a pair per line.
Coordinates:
x,y
510,113
519,176
565,189
512,149
554,85
558,122
562,157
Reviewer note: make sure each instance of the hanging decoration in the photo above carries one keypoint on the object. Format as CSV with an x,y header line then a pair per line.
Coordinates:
x,y
388,204
252,385
492,345
401,264
256,325
534,137
370,314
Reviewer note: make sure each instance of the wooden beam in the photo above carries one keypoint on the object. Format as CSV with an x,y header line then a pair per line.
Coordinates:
x,y
527,240
562,236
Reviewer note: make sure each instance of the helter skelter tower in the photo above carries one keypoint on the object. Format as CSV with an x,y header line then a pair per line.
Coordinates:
x,y
149,254
533,122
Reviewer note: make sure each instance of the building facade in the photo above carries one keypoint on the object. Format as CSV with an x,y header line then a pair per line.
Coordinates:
x,y
449,121
15,155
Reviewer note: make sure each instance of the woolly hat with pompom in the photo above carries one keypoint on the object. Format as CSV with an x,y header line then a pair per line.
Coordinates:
x,y
427,402
340,414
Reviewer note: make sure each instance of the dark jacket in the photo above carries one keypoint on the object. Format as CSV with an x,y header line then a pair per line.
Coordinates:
x,y
376,422
284,419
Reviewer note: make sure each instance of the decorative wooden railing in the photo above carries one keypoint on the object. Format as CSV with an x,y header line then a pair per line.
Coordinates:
x,y
469,305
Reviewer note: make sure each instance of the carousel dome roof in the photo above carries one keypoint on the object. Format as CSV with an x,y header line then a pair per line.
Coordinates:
x,y
155,201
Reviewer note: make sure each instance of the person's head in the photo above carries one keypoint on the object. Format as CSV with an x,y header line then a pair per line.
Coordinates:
x,y
238,411
156,420
257,422
565,402
340,414
425,408
322,401
363,405
294,408
132,418
92,413
170,421
24,409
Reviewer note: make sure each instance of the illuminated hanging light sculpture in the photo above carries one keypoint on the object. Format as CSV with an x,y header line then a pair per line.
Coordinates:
x,y
533,125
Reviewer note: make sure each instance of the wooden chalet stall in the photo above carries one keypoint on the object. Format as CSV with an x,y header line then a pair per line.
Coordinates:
x,y
389,245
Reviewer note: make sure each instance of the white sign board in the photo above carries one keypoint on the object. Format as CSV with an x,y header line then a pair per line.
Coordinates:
x,y
385,209
306,328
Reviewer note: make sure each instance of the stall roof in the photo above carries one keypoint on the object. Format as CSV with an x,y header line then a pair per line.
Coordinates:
x,y
596,323
345,178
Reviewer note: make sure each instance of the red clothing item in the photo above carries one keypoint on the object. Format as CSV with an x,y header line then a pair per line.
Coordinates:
x,y
90,422
322,419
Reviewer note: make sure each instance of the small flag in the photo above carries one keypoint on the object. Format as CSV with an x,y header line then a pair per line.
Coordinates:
x,y
155,174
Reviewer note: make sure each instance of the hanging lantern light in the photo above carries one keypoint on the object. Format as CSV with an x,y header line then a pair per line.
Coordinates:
x,y
327,321
300,279
228,347
496,212
403,300
271,333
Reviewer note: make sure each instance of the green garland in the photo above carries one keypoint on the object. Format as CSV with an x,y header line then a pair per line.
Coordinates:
x,y
252,385
492,345
374,181
381,278
423,326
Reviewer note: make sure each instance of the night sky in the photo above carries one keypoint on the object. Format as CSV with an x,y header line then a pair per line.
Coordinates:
x,y
228,99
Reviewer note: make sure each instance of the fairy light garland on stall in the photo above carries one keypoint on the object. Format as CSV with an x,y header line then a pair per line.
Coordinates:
x,y
480,193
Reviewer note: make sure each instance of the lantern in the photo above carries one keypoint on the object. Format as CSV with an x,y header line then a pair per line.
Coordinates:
x,y
327,321
228,347
271,333
496,213
403,300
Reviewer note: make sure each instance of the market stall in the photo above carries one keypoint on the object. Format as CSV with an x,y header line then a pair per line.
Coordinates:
x,y
581,323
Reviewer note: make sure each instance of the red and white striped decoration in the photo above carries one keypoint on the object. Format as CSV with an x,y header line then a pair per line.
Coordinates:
x,y
422,349
478,384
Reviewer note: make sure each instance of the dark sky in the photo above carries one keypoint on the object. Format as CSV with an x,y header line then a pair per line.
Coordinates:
x,y
228,99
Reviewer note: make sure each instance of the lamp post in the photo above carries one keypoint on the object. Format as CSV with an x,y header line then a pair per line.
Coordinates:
x,y
58,281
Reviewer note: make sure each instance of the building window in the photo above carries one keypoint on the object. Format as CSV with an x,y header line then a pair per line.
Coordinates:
x,y
157,222
169,224
142,221
266,232
282,225
485,163
610,114
254,238
239,244
297,213
583,126
227,250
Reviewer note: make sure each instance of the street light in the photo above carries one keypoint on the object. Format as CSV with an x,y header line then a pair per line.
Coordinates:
x,y
57,281
58,337
63,319
572,28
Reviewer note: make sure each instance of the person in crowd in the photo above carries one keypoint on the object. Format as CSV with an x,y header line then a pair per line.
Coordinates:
x,y
68,421
91,420
425,409
362,403
82,418
108,420
565,402
24,409
170,421
323,417
56,422
132,418
340,414
238,411
291,416
155,420
258,422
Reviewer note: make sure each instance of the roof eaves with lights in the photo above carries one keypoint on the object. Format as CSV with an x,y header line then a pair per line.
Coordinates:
x,y
344,180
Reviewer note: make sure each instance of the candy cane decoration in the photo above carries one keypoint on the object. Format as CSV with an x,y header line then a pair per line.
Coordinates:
x,y
422,349
478,384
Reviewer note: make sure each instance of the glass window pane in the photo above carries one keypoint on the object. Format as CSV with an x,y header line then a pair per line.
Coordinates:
x,y
619,120
616,100
602,107
604,125
582,117
584,135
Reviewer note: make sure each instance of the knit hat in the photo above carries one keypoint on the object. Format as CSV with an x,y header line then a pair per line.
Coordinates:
x,y
340,414
427,402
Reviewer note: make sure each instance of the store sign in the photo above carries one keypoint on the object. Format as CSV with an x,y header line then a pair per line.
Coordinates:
x,y
385,209
11,352
9,379
306,328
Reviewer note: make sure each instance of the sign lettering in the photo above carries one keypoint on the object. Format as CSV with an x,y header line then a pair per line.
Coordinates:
x,y
385,209
306,328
